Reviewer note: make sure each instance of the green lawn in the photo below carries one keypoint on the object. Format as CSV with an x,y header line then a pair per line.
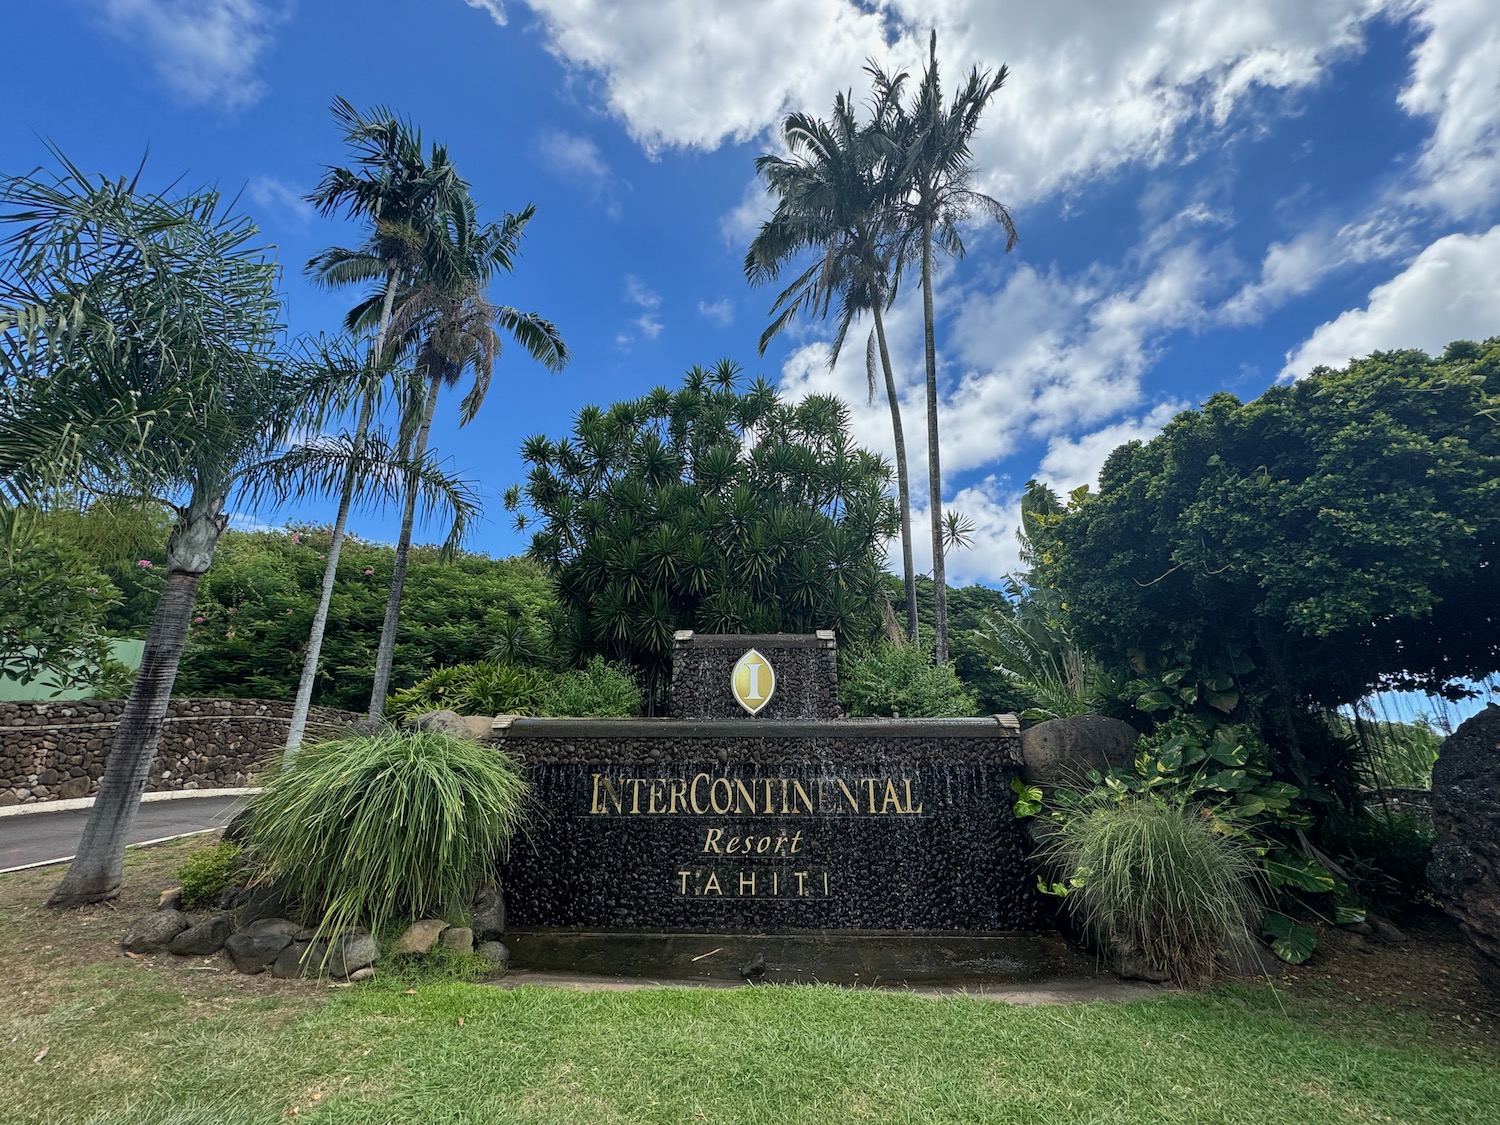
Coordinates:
x,y
143,1041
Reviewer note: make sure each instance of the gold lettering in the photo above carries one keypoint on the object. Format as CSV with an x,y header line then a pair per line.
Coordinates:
x,y
594,800
613,796
712,885
762,845
825,884
801,877
890,798
796,841
746,796
711,840
853,800
693,793
733,846
713,795
677,792
768,796
635,794
775,882
752,882
783,794
870,787
683,875
799,791
909,809
654,789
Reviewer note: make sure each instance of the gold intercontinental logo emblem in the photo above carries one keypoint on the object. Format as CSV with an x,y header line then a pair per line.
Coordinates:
x,y
753,681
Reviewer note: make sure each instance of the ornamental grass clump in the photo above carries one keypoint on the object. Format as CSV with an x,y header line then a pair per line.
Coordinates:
x,y
368,829
1153,879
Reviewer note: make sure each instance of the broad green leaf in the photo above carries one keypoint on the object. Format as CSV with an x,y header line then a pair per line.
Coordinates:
x,y
1288,870
1291,941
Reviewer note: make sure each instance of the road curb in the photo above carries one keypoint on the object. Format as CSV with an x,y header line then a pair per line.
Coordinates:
x,y
73,804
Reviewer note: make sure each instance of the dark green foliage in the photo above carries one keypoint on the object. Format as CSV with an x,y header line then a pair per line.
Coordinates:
x,y
256,606
206,872
377,828
994,692
1392,754
1331,537
708,508
597,690
53,603
1152,877
1384,856
893,679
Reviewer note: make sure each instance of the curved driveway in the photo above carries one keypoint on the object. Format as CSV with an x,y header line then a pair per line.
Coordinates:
x,y
36,838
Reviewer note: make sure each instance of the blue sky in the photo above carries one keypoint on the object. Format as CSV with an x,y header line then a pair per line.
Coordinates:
x,y
1211,194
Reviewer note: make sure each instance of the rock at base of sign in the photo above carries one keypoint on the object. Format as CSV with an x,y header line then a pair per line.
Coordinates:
x,y
255,953
457,939
420,937
203,939
488,912
496,953
1061,752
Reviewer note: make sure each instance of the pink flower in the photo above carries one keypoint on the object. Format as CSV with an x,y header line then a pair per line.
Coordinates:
x,y
368,570
145,564
296,537
199,620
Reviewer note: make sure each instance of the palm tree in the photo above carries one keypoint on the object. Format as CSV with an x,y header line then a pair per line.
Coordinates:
x,y
935,197
452,326
833,196
166,305
402,195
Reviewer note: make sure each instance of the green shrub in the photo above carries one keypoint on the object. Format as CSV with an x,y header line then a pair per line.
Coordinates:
x,y
1384,855
1152,878
368,829
487,688
900,679
206,872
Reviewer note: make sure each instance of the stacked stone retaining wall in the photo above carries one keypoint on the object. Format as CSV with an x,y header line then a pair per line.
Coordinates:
x,y
53,751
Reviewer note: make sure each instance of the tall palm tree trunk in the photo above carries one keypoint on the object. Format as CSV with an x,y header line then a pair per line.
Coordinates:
x,y
336,545
385,656
934,466
903,490
94,875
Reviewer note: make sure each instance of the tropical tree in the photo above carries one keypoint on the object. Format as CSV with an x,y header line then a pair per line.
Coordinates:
x,y
710,508
834,197
934,196
163,303
452,327
403,195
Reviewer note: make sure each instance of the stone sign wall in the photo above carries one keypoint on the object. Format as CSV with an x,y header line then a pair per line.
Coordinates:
x,y
806,672
51,751
774,824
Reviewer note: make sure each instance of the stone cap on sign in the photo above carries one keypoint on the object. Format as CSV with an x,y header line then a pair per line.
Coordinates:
x,y
791,676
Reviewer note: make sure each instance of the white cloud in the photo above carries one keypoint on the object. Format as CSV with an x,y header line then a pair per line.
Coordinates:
x,y
1092,86
1072,461
648,323
279,196
721,312
578,159
206,50
1450,292
1455,82
494,8
995,511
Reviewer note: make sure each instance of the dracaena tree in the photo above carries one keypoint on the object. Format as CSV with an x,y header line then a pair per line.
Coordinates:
x,y
140,352
712,507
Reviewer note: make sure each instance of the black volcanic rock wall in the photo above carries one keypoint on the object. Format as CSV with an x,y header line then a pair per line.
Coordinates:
x,y
770,824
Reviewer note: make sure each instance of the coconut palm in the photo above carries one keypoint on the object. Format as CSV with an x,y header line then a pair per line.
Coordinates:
x,y
833,196
934,177
166,305
402,194
450,326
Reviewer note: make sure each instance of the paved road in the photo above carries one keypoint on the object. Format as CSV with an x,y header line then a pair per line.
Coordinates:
x,y
40,837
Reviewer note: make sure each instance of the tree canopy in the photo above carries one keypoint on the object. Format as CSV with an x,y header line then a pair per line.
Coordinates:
x,y
709,508
1330,538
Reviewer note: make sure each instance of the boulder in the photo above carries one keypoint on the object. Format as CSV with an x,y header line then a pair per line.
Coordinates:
x,y
361,974
170,899
350,953
448,722
488,912
204,938
154,931
1465,867
457,939
273,927
420,936
478,726
1248,957
1063,751
495,953
237,831
264,900
298,959
255,953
